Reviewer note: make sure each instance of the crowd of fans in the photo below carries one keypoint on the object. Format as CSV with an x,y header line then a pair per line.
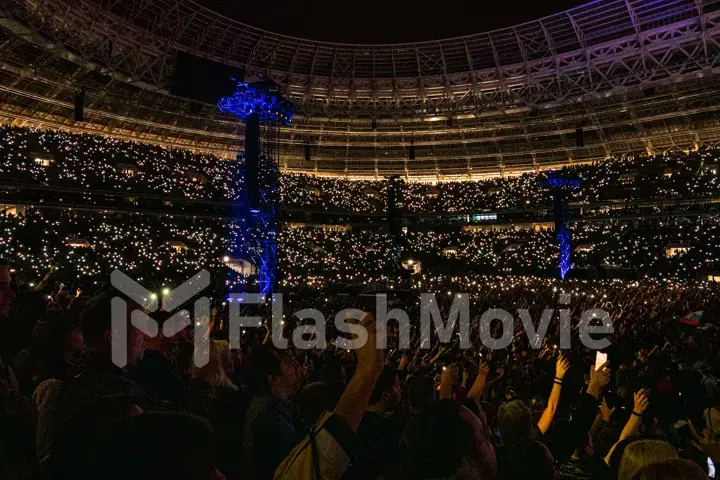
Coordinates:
x,y
443,412
432,409
62,159
162,250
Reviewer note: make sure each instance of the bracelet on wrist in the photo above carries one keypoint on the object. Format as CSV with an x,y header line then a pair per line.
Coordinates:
x,y
557,382
636,413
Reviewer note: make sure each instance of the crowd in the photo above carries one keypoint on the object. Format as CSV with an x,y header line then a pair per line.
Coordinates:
x,y
671,248
84,247
61,159
544,407
258,411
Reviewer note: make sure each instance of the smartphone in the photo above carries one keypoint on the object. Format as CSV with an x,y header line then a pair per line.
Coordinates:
x,y
683,429
600,359
711,468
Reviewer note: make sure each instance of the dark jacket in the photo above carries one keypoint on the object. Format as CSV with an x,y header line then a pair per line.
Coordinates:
x,y
270,435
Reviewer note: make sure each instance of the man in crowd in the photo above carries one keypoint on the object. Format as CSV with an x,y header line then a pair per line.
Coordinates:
x,y
270,424
378,435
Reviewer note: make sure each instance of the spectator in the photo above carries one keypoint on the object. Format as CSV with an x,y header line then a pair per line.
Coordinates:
x,y
438,443
212,396
326,452
378,435
521,456
270,428
641,453
671,469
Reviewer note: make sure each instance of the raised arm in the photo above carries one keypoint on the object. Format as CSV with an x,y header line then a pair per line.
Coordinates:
x,y
441,350
603,417
43,283
633,424
447,380
599,378
478,387
326,453
404,362
370,362
561,368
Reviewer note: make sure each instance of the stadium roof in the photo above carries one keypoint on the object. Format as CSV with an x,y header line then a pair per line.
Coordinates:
x,y
382,21
637,75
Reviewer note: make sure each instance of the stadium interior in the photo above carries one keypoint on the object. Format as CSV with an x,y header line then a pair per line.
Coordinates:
x,y
568,164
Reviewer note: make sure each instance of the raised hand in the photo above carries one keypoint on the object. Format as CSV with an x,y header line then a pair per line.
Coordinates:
x,y
641,401
370,359
480,381
404,361
370,363
562,366
605,411
598,379
633,424
447,380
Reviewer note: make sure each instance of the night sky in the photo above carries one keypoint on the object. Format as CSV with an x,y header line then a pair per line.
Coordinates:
x,y
385,21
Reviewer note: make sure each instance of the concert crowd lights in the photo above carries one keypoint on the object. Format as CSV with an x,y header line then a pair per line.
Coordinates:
x,y
89,161
313,258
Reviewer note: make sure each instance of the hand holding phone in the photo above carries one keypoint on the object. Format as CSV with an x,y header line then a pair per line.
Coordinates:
x,y
600,359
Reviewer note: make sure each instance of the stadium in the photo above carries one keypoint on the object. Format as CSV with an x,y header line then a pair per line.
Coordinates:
x,y
637,77
546,183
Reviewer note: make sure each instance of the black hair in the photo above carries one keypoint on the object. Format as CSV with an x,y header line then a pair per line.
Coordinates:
x,y
315,399
435,442
265,361
96,317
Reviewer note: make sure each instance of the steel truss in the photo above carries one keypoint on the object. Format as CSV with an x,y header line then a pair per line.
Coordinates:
x,y
640,75
261,234
593,48
265,219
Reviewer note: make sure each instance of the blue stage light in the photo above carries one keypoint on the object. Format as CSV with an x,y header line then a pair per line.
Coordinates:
x,y
268,104
564,239
265,100
559,187
554,182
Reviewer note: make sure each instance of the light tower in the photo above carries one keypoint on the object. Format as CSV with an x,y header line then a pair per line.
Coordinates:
x,y
262,108
561,188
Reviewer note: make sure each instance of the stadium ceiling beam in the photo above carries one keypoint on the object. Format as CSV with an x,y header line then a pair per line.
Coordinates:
x,y
636,25
701,22
155,65
646,101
